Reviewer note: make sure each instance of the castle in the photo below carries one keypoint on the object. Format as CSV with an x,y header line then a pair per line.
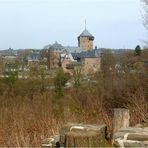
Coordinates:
x,y
54,56
69,57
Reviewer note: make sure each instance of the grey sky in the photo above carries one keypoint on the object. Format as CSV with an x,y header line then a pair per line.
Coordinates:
x,y
36,23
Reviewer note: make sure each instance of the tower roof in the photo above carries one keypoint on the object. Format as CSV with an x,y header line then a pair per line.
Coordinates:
x,y
56,47
85,33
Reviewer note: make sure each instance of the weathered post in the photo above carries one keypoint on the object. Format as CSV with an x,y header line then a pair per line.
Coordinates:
x,y
121,119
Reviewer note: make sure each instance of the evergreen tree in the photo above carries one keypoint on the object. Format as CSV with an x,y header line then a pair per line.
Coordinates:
x,y
138,50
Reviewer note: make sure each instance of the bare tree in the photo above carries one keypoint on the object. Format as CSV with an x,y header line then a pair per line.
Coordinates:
x,y
145,18
145,15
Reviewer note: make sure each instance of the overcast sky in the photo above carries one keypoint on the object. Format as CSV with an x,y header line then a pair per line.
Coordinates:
x,y
36,23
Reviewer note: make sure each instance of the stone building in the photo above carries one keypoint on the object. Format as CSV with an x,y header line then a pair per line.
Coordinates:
x,y
90,61
91,65
85,40
54,56
70,57
51,57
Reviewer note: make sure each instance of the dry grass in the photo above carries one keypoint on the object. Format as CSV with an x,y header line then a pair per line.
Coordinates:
x,y
25,121
28,115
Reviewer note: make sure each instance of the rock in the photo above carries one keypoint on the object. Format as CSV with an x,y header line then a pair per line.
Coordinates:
x,y
80,132
116,144
138,137
51,142
85,139
132,144
131,137
145,143
47,142
132,130
119,135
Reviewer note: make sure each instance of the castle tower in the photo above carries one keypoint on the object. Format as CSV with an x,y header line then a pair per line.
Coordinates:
x,y
85,40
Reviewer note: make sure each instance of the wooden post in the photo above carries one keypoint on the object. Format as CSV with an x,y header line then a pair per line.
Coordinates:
x,y
121,119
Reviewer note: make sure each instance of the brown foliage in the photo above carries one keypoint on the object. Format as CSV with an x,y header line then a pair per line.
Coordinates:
x,y
29,115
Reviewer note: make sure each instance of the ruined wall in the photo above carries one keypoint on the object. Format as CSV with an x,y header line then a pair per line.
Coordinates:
x,y
89,135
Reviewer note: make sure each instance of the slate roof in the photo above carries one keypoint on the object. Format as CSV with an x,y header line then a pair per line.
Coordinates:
x,y
33,57
73,49
89,54
56,47
85,33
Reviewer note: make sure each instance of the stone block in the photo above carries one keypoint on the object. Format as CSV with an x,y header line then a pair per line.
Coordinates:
x,y
132,130
51,142
119,135
138,137
145,144
81,132
85,139
116,144
131,137
132,144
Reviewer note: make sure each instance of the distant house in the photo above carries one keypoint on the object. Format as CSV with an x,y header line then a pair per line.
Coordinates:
x,y
33,56
8,59
8,52
9,63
